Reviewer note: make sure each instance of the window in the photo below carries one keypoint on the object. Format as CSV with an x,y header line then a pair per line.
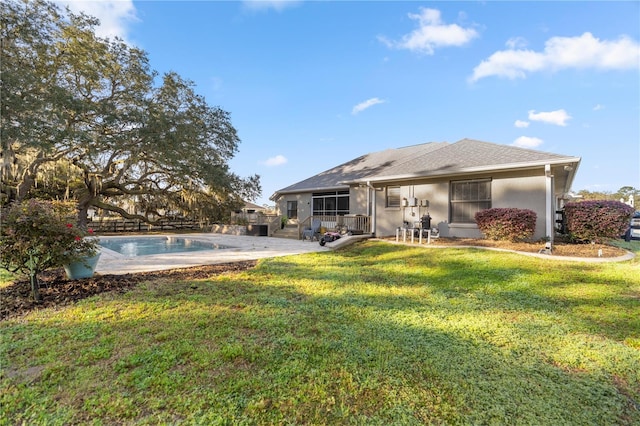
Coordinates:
x,y
393,196
292,209
469,197
330,203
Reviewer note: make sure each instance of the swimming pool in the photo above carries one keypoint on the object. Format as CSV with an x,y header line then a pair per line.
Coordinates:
x,y
144,246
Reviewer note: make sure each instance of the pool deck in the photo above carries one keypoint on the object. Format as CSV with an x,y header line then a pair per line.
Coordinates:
x,y
244,248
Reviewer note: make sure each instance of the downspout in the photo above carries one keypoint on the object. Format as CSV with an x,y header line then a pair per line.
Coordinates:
x,y
550,205
371,207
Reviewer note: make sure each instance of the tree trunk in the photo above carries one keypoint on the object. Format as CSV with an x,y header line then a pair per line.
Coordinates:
x,y
28,181
83,211
35,287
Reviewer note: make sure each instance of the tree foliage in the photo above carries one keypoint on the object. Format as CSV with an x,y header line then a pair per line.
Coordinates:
x,y
622,193
127,143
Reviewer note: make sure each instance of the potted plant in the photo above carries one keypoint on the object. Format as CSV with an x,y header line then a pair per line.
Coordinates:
x,y
37,235
83,254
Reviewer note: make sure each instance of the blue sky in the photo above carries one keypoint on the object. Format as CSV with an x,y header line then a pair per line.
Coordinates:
x,y
312,84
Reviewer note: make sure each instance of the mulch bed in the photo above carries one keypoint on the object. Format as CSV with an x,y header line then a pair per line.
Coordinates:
x,y
57,290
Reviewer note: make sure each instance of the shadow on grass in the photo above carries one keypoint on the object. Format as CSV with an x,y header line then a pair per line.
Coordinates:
x,y
591,297
246,351
375,334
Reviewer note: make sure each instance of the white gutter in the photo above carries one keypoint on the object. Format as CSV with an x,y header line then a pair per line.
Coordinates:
x,y
550,203
371,205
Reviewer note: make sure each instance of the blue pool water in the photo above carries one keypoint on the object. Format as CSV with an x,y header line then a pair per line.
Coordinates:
x,y
143,246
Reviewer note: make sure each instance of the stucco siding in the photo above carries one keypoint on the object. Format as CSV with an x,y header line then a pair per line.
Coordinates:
x,y
304,204
358,200
522,193
390,218
524,190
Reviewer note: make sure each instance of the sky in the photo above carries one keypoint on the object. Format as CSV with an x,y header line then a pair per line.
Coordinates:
x,y
310,85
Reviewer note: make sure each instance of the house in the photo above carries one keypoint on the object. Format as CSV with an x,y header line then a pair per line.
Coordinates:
x,y
450,182
251,213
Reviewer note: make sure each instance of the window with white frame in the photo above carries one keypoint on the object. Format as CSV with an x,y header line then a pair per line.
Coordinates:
x,y
468,197
393,196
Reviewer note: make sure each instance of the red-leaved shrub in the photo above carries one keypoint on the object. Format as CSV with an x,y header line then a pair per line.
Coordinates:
x,y
594,221
507,223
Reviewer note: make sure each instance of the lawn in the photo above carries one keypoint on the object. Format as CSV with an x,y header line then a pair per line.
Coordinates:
x,y
373,334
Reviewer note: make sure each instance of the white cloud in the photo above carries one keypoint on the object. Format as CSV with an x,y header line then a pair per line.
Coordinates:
x,y
278,160
431,33
516,43
527,142
366,104
277,5
585,51
115,15
598,107
558,117
521,124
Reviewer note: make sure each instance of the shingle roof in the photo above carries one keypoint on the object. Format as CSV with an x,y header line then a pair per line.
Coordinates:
x,y
429,159
469,154
371,164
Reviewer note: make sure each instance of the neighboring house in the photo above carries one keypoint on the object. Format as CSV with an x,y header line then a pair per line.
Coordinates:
x,y
448,181
251,212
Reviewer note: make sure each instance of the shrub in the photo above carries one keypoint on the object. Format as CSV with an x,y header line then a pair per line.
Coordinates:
x,y
507,223
594,221
37,235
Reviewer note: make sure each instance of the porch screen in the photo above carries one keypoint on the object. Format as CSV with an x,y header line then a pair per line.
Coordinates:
x,y
330,203
469,197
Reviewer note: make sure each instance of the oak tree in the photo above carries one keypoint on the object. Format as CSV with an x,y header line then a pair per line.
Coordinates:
x,y
128,143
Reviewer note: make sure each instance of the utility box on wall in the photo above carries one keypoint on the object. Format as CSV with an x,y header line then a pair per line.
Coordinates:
x,y
413,201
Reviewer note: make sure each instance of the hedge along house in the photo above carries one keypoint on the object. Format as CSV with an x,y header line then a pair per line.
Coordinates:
x,y
450,182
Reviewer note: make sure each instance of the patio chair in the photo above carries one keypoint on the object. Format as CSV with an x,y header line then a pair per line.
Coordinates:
x,y
313,231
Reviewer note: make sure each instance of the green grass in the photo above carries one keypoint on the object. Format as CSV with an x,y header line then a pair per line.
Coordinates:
x,y
7,278
373,334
